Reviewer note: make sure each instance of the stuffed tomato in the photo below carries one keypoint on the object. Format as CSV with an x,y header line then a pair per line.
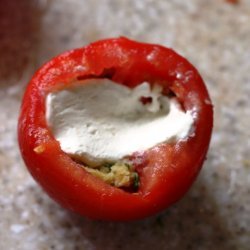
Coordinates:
x,y
117,130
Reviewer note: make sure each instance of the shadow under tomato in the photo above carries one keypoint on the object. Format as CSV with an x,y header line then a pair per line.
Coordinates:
x,y
194,223
19,36
184,226
189,224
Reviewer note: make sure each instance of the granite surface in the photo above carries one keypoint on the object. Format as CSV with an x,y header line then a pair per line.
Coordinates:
x,y
215,36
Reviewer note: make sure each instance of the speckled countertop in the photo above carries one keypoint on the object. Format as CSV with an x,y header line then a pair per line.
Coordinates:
x,y
215,36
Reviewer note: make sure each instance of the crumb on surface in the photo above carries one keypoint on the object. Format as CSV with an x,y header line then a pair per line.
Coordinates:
x,y
39,149
233,1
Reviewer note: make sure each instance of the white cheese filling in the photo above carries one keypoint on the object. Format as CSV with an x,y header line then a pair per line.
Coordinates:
x,y
98,120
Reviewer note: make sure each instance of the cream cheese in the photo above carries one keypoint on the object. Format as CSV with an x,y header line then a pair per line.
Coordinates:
x,y
98,120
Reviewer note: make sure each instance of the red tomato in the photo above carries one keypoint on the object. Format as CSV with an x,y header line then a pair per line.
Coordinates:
x,y
166,171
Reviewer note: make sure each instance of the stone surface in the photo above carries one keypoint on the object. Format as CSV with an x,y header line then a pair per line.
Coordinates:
x,y
215,36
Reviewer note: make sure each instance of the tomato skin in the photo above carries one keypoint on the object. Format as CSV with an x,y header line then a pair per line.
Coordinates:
x,y
166,171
